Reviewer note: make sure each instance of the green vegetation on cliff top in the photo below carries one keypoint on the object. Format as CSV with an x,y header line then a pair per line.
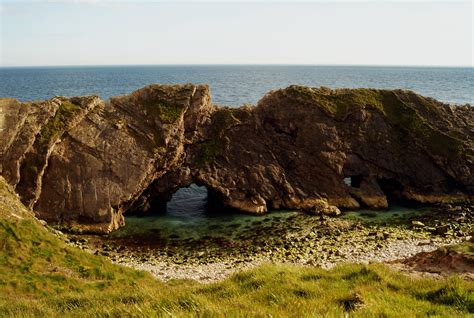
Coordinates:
x,y
169,114
58,123
338,103
165,101
42,276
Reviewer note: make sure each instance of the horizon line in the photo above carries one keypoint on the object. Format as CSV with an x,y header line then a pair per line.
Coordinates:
x,y
234,64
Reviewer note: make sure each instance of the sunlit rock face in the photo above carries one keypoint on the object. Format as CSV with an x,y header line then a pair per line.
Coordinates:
x,y
84,162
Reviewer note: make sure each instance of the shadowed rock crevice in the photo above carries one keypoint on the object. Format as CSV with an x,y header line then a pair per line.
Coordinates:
x,y
97,160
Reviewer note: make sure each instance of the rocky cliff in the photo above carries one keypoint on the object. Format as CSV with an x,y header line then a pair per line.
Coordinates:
x,y
84,162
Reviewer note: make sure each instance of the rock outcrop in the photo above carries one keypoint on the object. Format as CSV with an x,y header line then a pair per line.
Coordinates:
x,y
84,162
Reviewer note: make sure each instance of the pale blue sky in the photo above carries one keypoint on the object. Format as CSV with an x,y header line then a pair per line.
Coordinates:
x,y
98,32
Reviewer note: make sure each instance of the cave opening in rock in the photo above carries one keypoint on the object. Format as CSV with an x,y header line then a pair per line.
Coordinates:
x,y
353,181
393,190
191,201
187,201
391,187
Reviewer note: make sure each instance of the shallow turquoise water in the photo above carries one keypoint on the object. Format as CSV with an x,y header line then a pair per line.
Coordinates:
x,y
394,214
229,225
188,217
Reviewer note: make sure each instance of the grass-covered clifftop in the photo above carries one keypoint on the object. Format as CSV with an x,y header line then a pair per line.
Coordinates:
x,y
404,109
40,275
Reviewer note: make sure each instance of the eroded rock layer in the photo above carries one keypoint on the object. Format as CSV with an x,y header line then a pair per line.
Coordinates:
x,y
84,162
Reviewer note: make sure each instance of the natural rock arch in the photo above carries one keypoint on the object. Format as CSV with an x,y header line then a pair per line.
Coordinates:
x,y
83,161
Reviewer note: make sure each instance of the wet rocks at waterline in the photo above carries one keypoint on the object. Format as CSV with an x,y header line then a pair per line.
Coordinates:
x,y
84,162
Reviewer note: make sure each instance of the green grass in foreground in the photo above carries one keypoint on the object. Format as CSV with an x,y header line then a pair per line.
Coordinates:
x,y
41,276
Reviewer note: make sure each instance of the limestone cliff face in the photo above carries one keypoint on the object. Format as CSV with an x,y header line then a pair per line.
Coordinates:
x,y
85,162
299,144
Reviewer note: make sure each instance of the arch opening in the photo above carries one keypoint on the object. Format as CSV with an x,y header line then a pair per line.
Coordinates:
x,y
194,200
353,181
393,191
188,201
391,188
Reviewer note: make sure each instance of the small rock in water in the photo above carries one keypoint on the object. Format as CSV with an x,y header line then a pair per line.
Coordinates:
x,y
417,224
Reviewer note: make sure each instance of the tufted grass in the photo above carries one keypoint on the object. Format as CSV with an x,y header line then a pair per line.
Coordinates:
x,y
40,276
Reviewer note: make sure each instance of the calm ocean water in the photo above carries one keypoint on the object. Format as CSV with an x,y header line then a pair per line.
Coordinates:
x,y
233,85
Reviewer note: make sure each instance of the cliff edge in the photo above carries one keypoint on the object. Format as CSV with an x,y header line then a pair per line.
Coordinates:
x,y
85,162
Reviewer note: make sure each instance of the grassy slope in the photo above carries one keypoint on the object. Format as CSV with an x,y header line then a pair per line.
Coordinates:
x,y
42,276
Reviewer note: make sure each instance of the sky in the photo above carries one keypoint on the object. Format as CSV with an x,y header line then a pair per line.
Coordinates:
x,y
100,32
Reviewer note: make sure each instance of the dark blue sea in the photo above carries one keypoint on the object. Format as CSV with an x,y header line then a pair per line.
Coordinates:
x,y
187,213
233,85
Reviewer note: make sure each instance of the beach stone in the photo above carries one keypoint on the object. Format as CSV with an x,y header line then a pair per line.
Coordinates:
x,y
417,224
440,230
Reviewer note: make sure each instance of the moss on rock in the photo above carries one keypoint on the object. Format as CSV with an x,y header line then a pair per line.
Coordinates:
x,y
165,102
210,150
222,120
339,103
57,124
169,114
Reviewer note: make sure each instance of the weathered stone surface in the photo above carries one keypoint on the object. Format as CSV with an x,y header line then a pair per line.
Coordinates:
x,y
110,158
297,146
68,113
20,123
293,150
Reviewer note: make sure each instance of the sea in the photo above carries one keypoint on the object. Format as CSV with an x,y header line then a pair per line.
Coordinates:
x,y
231,85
